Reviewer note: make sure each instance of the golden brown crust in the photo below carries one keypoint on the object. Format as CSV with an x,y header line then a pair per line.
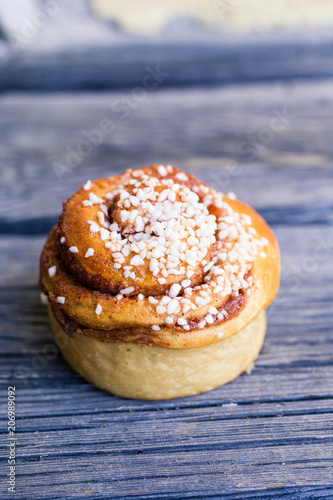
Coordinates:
x,y
142,335
88,283
97,272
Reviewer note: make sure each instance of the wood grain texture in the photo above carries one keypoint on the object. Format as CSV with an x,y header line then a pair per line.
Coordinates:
x,y
219,133
266,435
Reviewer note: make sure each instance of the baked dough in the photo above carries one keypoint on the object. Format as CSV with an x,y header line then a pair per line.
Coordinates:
x,y
157,283
151,372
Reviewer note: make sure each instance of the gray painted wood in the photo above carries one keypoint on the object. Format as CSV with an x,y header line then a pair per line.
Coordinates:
x,y
265,435
218,133
66,47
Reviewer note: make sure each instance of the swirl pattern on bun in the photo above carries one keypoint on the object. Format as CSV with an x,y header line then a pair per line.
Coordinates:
x,y
156,257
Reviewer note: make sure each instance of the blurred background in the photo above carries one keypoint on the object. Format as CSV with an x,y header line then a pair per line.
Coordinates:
x,y
220,87
83,44
194,82
229,89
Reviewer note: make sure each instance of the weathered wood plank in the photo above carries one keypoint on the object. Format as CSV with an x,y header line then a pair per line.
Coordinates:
x,y
265,435
216,133
276,435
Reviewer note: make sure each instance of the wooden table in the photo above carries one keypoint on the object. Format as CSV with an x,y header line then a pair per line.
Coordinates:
x,y
265,435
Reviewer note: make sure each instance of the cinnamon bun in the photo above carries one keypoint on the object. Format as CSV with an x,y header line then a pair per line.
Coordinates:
x,y
157,283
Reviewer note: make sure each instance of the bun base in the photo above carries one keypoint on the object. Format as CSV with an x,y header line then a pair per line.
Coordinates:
x,y
150,372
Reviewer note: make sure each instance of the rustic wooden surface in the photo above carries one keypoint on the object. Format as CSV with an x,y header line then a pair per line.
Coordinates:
x,y
265,435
